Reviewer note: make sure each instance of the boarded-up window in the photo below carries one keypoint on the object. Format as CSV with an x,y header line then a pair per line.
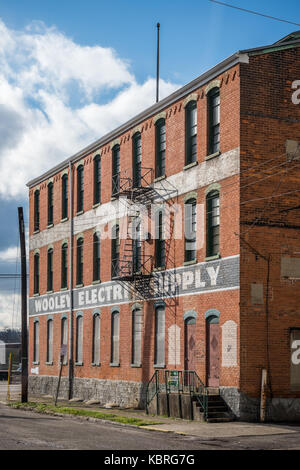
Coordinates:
x,y
257,294
115,337
137,326
160,336
49,340
36,341
79,339
64,336
295,359
96,339
290,267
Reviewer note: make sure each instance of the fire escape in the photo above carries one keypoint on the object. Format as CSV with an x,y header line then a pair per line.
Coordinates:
x,y
134,268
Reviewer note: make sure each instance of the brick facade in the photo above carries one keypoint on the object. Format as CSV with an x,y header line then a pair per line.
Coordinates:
x,y
257,116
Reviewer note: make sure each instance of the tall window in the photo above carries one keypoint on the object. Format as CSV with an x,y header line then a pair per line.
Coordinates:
x,y
115,337
191,132
36,210
213,120
160,141
79,273
64,197
213,223
97,179
115,169
80,188
96,257
50,203
36,341
36,283
137,327
136,244
159,349
115,251
50,270
64,266
96,339
50,341
79,339
137,159
190,230
64,336
159,241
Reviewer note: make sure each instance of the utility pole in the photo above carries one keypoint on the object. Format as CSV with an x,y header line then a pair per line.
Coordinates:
x,y
24,340
157,65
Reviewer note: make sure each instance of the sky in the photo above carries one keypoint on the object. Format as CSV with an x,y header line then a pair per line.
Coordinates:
x,y
71,71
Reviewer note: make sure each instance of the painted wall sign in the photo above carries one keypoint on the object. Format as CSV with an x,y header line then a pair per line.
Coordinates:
x,y
295,359
196,279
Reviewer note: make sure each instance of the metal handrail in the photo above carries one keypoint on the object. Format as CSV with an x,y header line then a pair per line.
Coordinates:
x,y
177,381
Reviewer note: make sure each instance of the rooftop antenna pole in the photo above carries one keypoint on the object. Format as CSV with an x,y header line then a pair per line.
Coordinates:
x,y
157,65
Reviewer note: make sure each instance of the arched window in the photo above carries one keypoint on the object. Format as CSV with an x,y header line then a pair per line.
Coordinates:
x,y
191,132
115,170
36,341
96,339
137,328
50,203
79,273
80,188
159,346
50,270
159,240
160,147
79,339
213,101
36,284
212,223
50,341
64,337
115,337
36,210
115,252
64,265
97,179
137,159
64,197
190,230
96,257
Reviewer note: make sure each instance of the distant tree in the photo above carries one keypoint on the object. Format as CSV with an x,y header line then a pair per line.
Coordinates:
x,y
10,335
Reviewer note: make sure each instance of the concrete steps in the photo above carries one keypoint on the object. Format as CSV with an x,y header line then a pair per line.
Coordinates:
x,y
218,411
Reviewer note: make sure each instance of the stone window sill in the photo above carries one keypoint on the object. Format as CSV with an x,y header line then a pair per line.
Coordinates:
x,y
50,225
36,231
190,165
159,178
49,291
161,268
98,281
96,364
79,285
49,363
159,366
78,363
137,366
79,212
37,294
63,288
36,363
114,364
64,220
96,205
211,258
187,263
212,155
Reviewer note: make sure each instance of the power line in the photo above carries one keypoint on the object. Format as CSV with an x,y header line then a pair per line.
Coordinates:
x,y
254,12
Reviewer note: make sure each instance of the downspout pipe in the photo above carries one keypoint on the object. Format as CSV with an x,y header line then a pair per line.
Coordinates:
x,y
71,370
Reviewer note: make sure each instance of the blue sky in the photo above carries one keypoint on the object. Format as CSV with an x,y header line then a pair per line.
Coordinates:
x,y
70,71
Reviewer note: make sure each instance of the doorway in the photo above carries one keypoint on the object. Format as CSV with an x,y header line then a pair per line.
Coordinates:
x,y
212,351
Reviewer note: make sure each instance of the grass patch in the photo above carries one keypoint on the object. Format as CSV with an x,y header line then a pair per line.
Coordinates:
x,y
46,408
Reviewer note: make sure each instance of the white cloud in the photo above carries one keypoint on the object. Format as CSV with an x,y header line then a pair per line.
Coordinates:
x,y
10,310
9,254
51,95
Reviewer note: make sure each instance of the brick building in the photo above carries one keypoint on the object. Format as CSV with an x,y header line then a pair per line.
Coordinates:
x,y
211,283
